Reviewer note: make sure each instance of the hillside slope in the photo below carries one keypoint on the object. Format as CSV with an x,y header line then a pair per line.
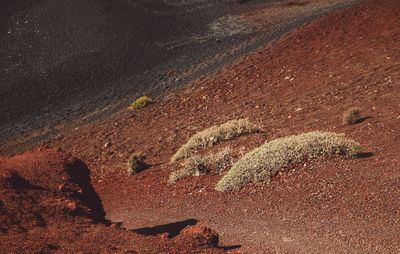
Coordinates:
x,y
61,60
303,82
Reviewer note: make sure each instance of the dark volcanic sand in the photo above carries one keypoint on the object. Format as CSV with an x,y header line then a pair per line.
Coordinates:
x,y
64,59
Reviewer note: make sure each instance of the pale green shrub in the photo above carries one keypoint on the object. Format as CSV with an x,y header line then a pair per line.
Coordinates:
x,y
197,165
208,137
264,161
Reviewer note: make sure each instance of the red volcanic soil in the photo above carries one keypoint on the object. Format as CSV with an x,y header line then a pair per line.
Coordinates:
x,y
303,82
48,205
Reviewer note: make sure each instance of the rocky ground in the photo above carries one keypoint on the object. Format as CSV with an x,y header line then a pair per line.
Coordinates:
x,y
48,205
302,82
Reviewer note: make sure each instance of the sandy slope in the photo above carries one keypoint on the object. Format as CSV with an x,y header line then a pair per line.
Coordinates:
x,y
303,82
65,59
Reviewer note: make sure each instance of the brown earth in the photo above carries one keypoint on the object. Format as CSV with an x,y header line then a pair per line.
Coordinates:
x,y
303,82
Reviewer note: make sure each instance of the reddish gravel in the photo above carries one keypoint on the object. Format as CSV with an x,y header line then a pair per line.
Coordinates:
x,y
303,82
47,205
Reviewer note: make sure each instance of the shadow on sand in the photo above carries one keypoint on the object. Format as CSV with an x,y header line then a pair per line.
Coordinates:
x,y
173,229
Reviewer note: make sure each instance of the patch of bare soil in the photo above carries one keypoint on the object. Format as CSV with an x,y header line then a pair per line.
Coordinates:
x,y
301,83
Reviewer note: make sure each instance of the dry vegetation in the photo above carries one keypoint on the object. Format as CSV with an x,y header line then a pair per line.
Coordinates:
x,y
208,137
196,165
136,163
351,116
269,158
140,103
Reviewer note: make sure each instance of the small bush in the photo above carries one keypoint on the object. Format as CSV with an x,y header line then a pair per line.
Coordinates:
x,y
140,103
268,159
351,116
196,165
178,174
136,163
213,135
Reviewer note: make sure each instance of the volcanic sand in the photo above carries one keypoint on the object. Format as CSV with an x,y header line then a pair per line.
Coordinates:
x,y
86,60
303,82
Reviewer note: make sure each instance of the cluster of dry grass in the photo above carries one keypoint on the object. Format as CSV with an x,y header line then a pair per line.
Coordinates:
x,y
213,135
197,165
351,116
267,159
136,163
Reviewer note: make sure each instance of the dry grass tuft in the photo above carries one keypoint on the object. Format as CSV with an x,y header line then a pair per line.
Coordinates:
x,y
208,137
196,165
136,163
351,116
140,103
264,161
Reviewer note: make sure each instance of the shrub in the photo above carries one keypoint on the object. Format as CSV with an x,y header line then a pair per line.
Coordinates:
x,y
351,116
178,174
208,137
197,165
136,163
140,103
269,158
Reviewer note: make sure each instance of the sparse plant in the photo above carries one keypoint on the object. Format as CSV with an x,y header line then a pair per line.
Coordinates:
x,y
196,165
136,163
140,103
351,116
178,174
266,160
208,137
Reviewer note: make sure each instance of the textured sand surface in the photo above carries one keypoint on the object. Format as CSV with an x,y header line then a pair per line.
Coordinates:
x,y
64,59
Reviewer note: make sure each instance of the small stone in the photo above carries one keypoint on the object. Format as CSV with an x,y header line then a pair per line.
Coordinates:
x,y
72,206
200,236
114,225
164,235
62,187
